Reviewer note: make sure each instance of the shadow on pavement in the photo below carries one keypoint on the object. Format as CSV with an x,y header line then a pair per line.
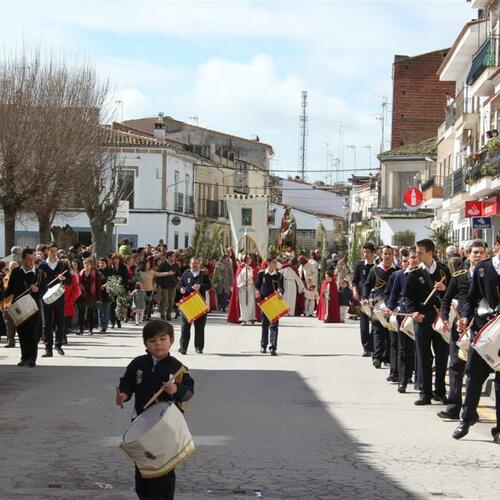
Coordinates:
x,y
256,431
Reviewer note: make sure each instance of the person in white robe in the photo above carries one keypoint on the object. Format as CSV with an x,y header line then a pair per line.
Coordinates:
x,y
311,270
291,284
246,295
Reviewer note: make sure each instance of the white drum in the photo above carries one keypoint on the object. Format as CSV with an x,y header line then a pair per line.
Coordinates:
x,y
22,309
158,440
408,327
393,323
366,309
378,314
463,344
487,343
53,293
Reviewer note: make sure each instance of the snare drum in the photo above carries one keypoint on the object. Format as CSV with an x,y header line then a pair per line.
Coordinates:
x,y
487,343
366,309
22,309
463,344
53,293
158,440
408,327
378,314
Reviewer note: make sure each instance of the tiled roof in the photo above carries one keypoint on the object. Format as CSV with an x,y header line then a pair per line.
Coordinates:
x,y
125,139
426,147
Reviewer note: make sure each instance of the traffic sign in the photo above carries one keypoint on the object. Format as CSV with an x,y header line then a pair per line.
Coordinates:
x,y
481,222
413,197
121,221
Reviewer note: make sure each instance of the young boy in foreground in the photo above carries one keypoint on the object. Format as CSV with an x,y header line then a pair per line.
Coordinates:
x,y
144,376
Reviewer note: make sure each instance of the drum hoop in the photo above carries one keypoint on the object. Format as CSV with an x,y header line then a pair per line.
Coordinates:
x,y
478,336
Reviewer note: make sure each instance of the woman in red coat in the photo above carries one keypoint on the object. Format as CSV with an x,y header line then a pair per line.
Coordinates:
x,y
71,294
328,305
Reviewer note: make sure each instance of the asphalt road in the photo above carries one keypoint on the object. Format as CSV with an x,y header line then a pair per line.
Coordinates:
x,y
316,422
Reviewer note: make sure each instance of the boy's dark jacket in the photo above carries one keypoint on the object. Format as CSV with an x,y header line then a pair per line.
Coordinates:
x,y
143,378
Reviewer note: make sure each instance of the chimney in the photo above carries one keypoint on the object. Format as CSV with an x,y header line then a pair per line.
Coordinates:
x,y
159,131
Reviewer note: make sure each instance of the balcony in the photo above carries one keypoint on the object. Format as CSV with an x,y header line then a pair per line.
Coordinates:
x,y
179,202
483,67
454,184
433,192
356,217
213,209
189,205
482,169
479,4
466,109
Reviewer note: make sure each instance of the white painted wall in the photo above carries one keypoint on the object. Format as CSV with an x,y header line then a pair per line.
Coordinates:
x,y
307,197
389,227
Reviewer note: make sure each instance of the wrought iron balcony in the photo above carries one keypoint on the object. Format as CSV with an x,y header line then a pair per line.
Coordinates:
x,y
179,202
485,57
189,205
454,184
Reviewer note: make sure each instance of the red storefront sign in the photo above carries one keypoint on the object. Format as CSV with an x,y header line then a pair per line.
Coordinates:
x,y
473,209
413,197
491,206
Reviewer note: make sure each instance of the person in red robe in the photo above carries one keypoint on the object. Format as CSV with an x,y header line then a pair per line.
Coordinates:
x,y
328,305
233,315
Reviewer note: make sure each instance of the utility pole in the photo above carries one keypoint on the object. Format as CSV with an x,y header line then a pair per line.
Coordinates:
x,y
303,119
383,118
120,105
353,147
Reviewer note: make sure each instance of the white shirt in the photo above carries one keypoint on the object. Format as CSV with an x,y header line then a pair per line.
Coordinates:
x,y
52,264
271,273
381,265
372,262
496,263
430,270
26,271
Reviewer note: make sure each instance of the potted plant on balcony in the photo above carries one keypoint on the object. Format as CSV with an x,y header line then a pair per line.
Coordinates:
x,y
488,169
493,147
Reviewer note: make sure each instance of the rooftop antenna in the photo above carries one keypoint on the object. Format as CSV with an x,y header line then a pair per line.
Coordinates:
x,y
119,104
195,119
303,132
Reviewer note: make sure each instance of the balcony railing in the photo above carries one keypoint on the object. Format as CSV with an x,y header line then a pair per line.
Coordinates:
x,y
464,104
435,181
189,205
486,164
179,202
485,57
454,184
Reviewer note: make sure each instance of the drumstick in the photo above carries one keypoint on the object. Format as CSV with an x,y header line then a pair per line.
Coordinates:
x,y
157,394
434,290
55,279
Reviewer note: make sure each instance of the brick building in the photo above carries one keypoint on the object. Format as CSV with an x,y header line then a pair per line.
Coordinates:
x,y
419,98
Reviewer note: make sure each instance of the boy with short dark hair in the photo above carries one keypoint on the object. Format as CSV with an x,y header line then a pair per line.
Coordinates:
x,y
144,376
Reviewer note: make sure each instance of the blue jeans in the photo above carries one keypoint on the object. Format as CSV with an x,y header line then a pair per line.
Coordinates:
x,y
104,310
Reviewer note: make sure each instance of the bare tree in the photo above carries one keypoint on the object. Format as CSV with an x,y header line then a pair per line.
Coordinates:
x,y
101,191
19,94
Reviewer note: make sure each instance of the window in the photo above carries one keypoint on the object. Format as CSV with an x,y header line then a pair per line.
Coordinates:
x,y
126,186
246,216
186,240
176,240
176,180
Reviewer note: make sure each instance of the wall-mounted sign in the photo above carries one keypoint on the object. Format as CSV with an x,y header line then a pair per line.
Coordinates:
x,y
491,206
481,222
473,209
413,197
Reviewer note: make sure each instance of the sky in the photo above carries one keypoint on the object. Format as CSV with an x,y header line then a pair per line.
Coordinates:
x,y
240,66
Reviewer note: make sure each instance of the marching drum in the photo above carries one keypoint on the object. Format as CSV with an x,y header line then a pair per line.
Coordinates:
x,y
22,309
393,323
274,307
408,327
366,309
158,440
193,306
463,344
487,343
53,293
378,313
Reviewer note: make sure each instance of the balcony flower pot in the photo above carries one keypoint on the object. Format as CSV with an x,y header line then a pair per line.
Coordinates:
x,y
493,146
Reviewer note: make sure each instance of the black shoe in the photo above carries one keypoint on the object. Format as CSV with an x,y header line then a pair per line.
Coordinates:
x,y
119,324
9,346
446,414
103,332
182,351
402,388
47,353
263,350
80,332
169,318
496,435
23,362
65,341
440,398
366,354
273,352
60,351
377,363
422,400
392,378
31,363
462,429
112,325
199,351
91,332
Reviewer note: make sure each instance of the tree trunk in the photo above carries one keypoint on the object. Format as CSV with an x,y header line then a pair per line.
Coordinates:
x,y
10,213
44,226
102,237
